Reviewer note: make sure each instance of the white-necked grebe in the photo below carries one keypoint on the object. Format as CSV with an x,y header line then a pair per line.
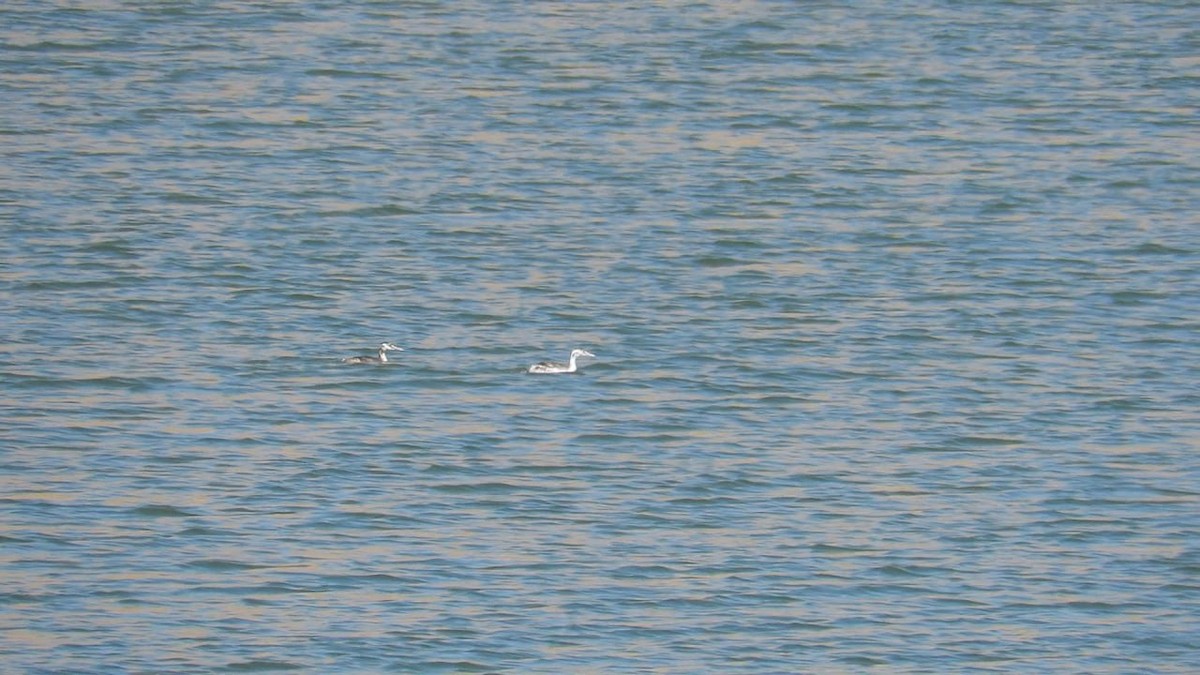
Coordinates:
x,y
546,367
384,348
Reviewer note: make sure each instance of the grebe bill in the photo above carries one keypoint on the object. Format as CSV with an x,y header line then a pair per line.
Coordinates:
x,y
384,348
547,367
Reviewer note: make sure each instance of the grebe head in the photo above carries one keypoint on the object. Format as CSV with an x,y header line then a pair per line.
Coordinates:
x,y
581,352
389,347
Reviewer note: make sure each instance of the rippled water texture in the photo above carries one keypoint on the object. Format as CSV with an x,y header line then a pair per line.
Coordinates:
x,y
894,307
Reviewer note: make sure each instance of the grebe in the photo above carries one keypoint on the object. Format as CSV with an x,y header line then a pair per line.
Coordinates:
x,y
384,348
555,367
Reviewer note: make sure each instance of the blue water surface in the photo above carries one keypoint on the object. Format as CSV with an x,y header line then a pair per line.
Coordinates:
x,y
894,308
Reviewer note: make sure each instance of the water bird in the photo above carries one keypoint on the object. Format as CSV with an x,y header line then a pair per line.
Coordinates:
x,y
384,348
556,367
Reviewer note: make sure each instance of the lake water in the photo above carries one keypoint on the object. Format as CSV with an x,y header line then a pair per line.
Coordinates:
x,y
894,306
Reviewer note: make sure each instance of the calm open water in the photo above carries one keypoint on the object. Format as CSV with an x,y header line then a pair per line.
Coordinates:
x,y
895,306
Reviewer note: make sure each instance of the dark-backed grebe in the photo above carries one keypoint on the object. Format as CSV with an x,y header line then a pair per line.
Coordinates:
x,y
384,348
546,367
